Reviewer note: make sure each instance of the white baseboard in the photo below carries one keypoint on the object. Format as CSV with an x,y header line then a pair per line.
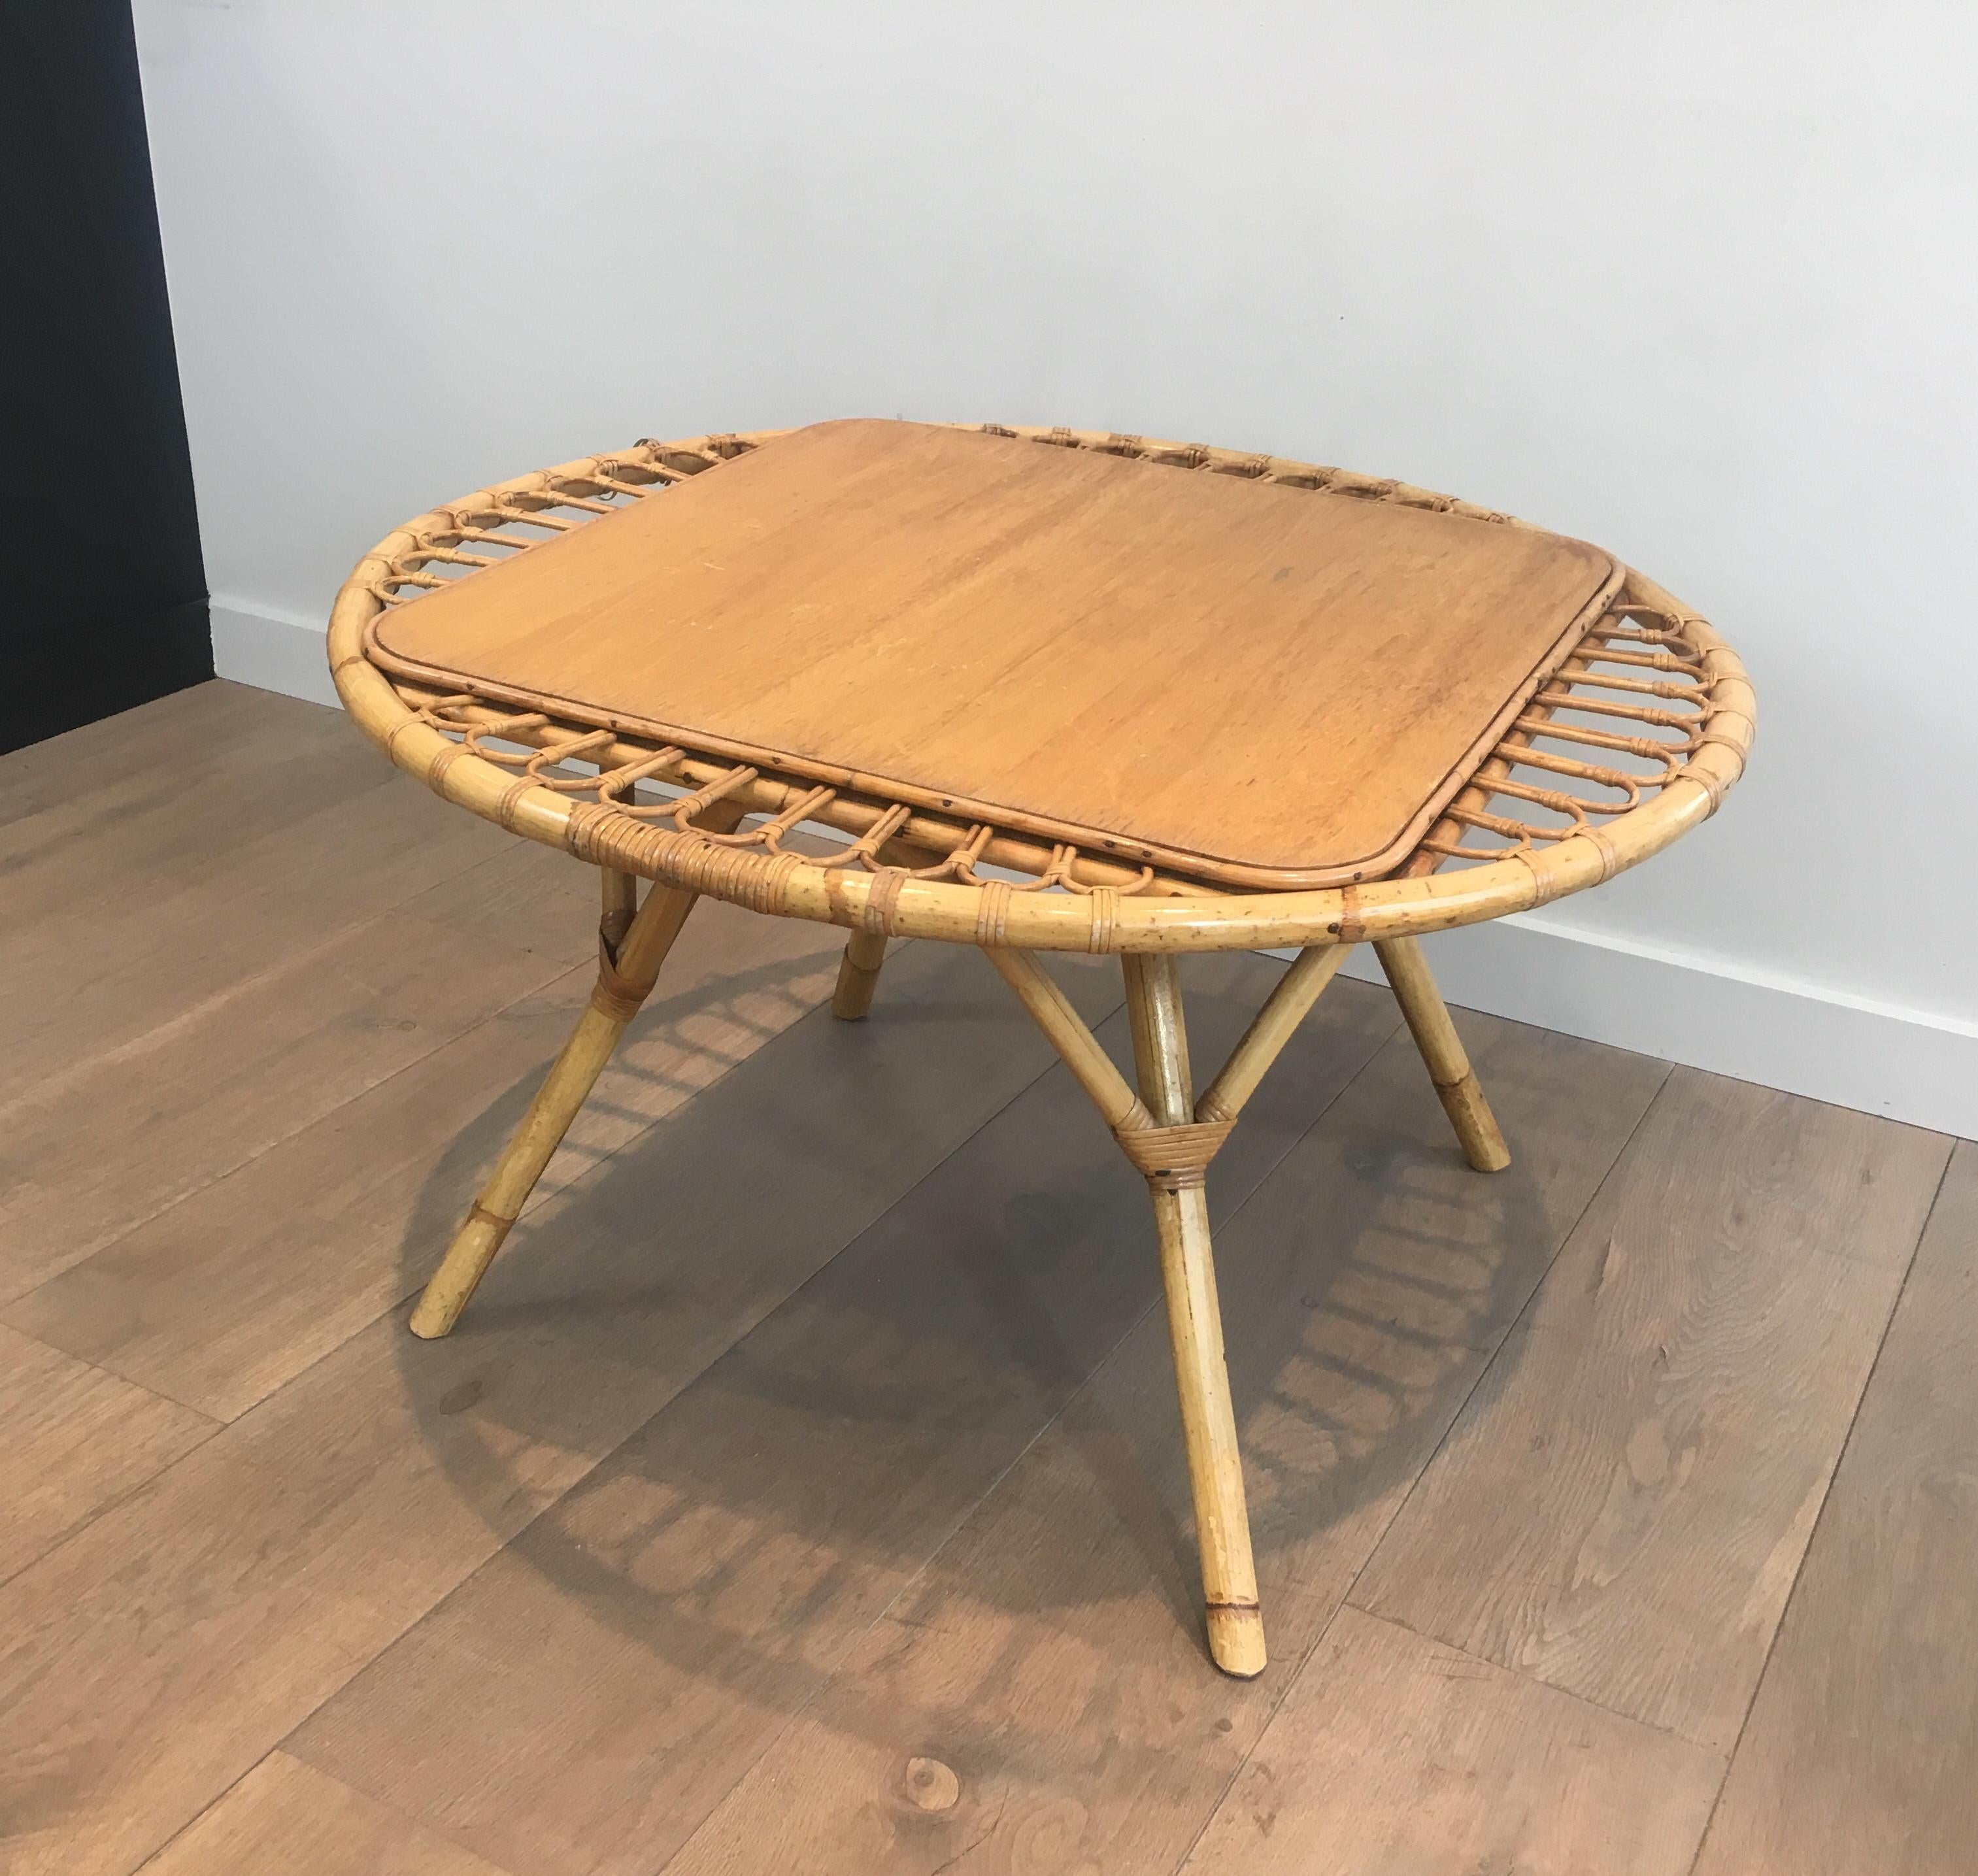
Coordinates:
x,y
271,651
1908,1064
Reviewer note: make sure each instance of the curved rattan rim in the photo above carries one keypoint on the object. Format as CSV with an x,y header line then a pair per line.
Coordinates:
x,y
1095,916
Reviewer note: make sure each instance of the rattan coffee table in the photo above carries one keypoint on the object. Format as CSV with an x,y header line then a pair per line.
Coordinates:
x,y
1055,691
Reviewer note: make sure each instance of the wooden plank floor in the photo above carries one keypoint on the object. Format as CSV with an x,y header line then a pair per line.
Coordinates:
x,y
803,1493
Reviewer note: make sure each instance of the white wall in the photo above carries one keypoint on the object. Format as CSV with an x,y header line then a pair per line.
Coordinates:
x,y
1696,282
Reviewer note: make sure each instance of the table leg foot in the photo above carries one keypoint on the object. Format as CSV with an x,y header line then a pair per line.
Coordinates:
x,y
465,1263
857,975
1456,1085
1236,1641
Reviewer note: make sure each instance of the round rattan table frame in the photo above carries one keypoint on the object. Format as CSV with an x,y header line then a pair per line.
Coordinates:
x,y
1633,742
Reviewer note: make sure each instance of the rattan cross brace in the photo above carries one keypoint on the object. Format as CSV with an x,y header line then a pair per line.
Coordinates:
x,y
1170,1138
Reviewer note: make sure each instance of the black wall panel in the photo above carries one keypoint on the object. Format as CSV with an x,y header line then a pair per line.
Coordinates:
x,y
102,593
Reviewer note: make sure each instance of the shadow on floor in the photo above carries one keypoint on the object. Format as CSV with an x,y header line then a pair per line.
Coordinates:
x,y
800,1482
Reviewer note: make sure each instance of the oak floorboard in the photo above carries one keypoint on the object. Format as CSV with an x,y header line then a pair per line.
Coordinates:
x,y
628,1655
73,1440
1622,1507
107,972
1438,1763
38,775
167,1646
87,1156
1860,1756
537,899
218,1300
1049,1661
286,1816
181,779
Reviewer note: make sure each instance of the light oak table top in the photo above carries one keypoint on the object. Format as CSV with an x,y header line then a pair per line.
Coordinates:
x,y
1249,684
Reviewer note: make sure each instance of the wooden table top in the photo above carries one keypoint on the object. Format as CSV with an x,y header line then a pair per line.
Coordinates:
x,y
1250,684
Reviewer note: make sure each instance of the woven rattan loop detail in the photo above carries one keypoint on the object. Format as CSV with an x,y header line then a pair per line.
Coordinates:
x,y
724,871
1172,1159
767,888
680,859
511,799
992,914
603,837
445,760
1712,785
1545,886
881,910
1103,902
582,831
398,729
1610,860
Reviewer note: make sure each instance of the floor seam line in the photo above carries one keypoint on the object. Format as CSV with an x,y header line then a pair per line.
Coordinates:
x,y
1534,1680
1511,1329
1826,1497
213,1425
1345,1600
199,891
214,1421
172,1837
1243,1763
99,1512
423,1825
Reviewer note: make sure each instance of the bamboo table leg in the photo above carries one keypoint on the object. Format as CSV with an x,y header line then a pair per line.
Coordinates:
x,y
1456,1085
857,975
633,946
1235,1624
1171,1145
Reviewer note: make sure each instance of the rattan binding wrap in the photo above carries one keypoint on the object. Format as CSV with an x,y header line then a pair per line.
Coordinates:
x,y
1635,741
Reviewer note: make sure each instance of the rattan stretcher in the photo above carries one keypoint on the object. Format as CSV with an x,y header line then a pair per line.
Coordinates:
x,y
1056,691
